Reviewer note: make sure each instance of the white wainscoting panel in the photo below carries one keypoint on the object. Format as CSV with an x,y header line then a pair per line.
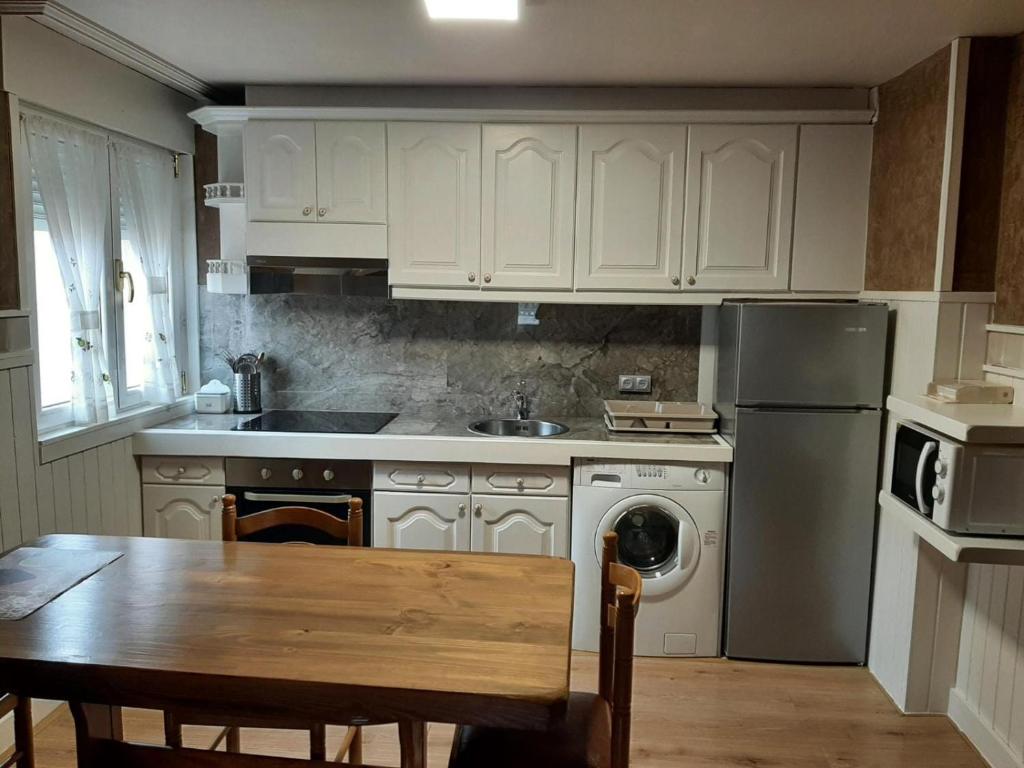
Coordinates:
x,y
95,491
988,701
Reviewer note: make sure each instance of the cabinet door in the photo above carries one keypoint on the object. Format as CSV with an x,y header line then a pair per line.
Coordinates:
x,y
630,211
350,172
739,207
529,198
434,204
513,525
280,170
830,223
421,521
182,511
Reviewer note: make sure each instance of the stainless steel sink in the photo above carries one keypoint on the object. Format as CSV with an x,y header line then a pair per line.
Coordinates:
x,y
517,428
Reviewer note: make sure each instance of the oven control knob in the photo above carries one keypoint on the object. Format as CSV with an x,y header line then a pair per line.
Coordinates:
x,y
297,474
940,468
938,494
328,475
265,473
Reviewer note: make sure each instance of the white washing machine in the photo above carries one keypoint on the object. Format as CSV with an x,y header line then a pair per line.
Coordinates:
x,y
670,518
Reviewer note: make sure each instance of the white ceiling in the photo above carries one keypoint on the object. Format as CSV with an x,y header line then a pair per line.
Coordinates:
x,y
573,42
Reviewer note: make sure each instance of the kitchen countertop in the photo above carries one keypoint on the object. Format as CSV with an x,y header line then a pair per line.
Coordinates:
x,y
415,438
997,424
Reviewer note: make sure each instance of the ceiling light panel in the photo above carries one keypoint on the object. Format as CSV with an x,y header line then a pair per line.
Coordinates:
x,y
487,10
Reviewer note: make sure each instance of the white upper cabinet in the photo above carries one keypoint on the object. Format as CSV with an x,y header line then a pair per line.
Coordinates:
x,y
516,526
830,229
529,197
350,172
739,207
434,204
421,521
280,170
630,207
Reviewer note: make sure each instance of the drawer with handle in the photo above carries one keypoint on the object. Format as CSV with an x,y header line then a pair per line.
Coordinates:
x,y
420,476
525,479
183,470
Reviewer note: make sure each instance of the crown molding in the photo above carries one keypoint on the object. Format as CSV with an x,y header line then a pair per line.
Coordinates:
x,y
100,39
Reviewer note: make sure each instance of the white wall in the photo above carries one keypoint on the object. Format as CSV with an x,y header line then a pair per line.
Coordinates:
x,y
48,70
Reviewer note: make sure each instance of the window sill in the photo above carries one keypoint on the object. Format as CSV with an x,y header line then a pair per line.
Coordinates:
x,y
58,443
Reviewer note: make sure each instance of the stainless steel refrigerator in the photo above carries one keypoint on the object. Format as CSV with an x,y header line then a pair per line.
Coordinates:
x,y
799,392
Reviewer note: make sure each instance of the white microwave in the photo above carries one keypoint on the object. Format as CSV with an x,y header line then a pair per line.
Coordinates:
x,y
961,487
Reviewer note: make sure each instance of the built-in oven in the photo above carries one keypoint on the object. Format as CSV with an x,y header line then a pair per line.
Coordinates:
x,y
962,487
325,485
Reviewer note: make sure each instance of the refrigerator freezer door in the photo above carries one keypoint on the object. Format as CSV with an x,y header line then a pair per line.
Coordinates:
x,y
825,355
801,533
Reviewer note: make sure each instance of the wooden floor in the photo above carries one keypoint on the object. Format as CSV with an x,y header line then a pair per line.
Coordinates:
x,y
686,714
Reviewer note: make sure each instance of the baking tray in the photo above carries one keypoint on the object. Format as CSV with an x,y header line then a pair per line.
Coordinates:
x,y
659,416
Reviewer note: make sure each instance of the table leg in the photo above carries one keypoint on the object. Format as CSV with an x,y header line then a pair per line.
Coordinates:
x,y
412,736
94,722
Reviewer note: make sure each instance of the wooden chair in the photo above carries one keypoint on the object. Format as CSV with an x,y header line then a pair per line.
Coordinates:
x,y
234,527
23,755
595,730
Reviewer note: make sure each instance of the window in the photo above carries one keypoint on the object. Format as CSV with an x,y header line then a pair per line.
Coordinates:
x,y
108,243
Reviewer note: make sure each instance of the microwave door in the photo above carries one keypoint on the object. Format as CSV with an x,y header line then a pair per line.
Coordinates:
x,y
913,470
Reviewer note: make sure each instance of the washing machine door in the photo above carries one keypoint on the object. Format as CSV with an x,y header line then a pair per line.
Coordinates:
x,y
657,537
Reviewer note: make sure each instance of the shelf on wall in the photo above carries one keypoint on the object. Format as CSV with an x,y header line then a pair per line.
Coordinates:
x,y
997,550
224,193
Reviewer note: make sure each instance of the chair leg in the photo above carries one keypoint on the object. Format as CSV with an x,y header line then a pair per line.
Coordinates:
x,y
172,731
234,740
355,751
318,742
23,740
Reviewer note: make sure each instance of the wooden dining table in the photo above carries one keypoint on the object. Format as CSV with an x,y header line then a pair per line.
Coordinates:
x,y
303,634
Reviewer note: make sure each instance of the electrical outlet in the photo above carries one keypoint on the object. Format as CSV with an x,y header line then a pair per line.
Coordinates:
x,y
634,383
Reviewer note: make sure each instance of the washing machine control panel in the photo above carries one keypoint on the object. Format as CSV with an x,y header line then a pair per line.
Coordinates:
x,y
666,476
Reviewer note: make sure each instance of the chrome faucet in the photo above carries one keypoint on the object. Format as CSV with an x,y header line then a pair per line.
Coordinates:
x,y
520,402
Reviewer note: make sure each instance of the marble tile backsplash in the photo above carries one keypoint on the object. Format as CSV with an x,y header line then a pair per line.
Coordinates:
x,y
439,358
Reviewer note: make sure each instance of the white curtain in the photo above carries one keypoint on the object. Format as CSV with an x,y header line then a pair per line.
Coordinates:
x,y
71,168
146,182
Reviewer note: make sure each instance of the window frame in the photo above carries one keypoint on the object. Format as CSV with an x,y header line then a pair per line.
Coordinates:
x,y
126,400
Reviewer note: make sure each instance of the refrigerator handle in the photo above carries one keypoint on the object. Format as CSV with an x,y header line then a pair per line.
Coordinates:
x,y
926,451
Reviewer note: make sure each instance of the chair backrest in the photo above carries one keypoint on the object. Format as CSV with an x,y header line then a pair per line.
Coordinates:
x,y
621,587
350,531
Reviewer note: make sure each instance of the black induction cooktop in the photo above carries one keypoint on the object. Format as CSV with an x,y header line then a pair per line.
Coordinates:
x,y
340,422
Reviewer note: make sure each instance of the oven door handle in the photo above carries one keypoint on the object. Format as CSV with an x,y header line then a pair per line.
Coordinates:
x,y
297,498
926,451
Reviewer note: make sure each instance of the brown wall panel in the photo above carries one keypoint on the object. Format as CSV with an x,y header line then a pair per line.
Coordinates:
x,y
906,178
981,172
9,291
207,218
1010,261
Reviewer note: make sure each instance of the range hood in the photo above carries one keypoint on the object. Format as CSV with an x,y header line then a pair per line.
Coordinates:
x,y
317,276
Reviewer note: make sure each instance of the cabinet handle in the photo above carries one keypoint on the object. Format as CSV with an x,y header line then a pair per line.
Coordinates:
x,y
520,482
216,500
675,281
420,479
462,510
478,510
322,212
472,277
181,470
487,278
691,280
307,210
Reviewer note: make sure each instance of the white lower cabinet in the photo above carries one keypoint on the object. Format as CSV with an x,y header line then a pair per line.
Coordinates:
x,y
521,525
528,517
182,511
421,520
